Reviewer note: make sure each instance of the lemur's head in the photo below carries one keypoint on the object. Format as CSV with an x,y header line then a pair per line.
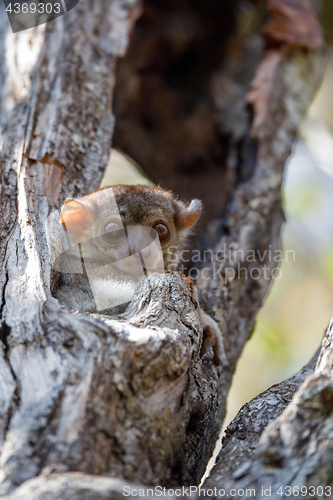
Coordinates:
x,y
115,220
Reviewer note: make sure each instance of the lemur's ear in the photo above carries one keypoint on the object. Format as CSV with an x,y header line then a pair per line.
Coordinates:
x,y
76,217
188,216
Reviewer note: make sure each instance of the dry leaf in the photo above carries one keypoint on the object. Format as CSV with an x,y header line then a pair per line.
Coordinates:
x,y
295,23
292,24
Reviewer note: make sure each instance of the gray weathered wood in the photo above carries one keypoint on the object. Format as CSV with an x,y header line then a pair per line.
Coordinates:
x,y
282,440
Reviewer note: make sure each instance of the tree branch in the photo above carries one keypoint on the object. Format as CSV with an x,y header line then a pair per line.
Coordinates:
x,y
285,436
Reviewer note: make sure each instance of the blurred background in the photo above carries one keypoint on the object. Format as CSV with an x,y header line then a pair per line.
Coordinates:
x,y
298,308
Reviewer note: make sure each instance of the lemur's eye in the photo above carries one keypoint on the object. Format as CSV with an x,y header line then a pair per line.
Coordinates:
x,y
112,232
162,231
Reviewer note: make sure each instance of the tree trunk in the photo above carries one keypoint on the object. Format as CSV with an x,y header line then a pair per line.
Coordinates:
x,y
280,444
211,104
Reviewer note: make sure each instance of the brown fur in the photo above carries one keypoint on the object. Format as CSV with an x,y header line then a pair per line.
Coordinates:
x,y
129,206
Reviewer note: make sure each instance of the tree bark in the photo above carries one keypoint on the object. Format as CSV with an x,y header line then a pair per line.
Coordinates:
x,y
82,395
285,437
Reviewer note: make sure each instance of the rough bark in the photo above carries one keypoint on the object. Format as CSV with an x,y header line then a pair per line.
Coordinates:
x,y
75,486
242,435
62,373
281,442
130,397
